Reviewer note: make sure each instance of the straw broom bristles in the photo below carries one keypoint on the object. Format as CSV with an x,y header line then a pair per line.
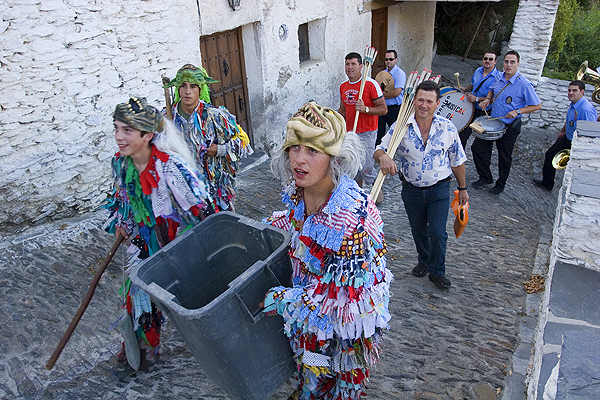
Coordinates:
x,y
406,110
368,59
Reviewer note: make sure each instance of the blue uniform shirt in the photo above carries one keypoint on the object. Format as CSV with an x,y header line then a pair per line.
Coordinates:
x,y
485,88
399,82
520,93
582,110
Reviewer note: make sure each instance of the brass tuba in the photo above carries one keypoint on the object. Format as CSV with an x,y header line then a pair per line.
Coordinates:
x,y
588,75
561,159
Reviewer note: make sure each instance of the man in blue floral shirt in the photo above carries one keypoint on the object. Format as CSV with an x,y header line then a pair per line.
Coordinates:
x,y
429,153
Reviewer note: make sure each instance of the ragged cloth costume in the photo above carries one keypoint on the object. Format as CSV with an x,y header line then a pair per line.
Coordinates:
x,y
338,306
153,207
208,125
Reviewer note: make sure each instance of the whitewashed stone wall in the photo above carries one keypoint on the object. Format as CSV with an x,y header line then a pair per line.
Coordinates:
x,y
411,33
65,64
532,32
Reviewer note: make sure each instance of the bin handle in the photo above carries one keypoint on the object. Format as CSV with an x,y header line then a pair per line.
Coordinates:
x,y
248,316
273,276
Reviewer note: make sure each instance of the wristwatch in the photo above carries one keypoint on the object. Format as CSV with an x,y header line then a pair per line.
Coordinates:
x,y
367,110
518,111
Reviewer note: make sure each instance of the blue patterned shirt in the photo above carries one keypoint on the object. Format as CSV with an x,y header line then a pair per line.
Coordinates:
x,y
422,164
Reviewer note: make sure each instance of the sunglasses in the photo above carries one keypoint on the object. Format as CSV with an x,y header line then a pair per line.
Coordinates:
x,y
487,59
389,59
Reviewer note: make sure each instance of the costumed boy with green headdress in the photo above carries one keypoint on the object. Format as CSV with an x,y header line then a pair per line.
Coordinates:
x,y
157,195
212,134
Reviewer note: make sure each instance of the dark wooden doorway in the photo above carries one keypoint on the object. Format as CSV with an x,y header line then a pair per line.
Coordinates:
x,y
223,59
379,29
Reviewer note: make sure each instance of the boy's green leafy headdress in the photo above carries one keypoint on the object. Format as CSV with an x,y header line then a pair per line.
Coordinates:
x,y
192,74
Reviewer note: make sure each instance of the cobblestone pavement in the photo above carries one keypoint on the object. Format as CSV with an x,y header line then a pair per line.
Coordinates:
x,y
455,344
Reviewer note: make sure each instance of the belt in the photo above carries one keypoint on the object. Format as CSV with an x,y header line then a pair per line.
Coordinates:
x,y
403,179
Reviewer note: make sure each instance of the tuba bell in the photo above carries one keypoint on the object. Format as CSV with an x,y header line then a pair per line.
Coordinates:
x,y
561,159
588,75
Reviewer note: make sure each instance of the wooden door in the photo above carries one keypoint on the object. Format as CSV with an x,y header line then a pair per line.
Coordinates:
x,y
379,28
223,59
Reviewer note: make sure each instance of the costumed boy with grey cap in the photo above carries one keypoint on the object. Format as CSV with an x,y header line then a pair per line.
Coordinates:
x,y
157,195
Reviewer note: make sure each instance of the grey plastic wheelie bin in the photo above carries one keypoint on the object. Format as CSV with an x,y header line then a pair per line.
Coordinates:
x,y
210,281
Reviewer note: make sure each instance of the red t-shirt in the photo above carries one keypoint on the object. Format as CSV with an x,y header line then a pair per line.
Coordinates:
x,y
349,94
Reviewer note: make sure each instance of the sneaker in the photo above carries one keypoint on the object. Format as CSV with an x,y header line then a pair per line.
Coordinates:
x,y
540,183
480,182
440,281
379,198
420,270
496,190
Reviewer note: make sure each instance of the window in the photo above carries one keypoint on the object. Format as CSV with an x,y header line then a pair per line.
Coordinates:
x,y
311,40
304,48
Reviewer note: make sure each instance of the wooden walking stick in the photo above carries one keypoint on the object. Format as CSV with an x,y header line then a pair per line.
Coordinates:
x,y
368,59
165,82
84,304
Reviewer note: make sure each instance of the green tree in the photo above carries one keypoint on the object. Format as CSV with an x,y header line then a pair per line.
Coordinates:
x,y
576,38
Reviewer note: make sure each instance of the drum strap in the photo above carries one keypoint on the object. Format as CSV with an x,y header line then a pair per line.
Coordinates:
x,y
505,86
482,82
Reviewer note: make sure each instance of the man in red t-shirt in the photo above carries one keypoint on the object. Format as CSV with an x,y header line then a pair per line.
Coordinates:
x,y
370,106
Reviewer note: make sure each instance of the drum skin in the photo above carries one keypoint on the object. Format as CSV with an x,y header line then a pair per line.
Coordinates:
x,y
493,129
455,106
385,80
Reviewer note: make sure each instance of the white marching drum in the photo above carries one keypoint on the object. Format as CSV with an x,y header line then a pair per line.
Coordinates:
x,y
455,106
490,129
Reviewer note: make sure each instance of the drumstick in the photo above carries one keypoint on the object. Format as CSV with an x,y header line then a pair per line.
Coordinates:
x,y
491,119
456,74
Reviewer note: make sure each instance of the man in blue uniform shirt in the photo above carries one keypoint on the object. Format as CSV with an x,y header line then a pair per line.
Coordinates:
x,y
481,81
511,95
580,109
393,98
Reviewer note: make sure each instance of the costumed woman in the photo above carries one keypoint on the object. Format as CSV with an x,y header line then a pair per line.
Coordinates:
x,y
212,134
156,196
338,307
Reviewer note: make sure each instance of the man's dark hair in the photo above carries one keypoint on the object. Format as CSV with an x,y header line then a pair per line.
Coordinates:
x,y
429,86
392,51
514,52
352,55
491,52
578,83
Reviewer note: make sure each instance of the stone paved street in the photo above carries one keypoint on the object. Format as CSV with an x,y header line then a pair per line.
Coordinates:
x,y
442,345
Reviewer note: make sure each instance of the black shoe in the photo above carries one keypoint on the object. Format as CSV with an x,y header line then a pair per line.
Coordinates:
x,y
540,183
420,270
496,190
480,182
440,281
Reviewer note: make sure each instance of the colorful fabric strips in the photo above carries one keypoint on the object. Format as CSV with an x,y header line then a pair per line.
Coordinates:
x,y
335,313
